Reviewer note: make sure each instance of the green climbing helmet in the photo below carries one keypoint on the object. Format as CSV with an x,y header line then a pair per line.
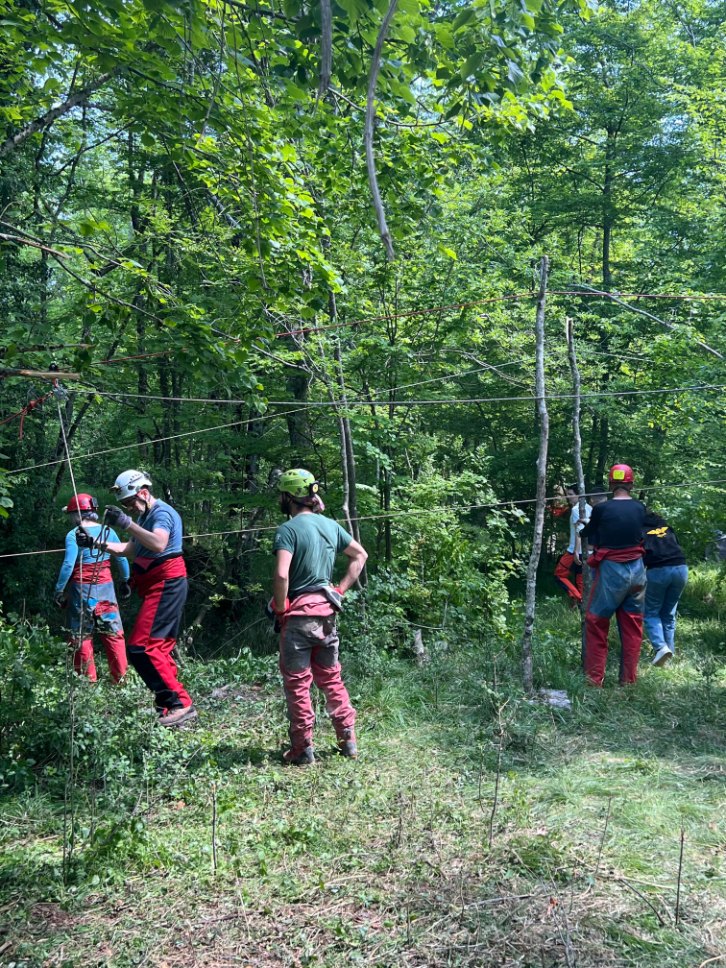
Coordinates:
x,y
299,483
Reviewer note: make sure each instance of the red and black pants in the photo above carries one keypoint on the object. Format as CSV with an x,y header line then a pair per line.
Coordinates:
x,y
163,591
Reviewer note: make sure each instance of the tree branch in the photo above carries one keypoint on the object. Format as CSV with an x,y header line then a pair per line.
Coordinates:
x,y
45,120
368,137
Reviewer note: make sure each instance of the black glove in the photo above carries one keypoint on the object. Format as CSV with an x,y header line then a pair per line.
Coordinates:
x,y
124,591
84,539
60,599
117,517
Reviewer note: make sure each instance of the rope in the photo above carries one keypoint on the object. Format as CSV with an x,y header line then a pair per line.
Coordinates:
x,y
231,401
342,404
445,307
440,401
531,398
153,440
506,297
402,514
28,408
59,395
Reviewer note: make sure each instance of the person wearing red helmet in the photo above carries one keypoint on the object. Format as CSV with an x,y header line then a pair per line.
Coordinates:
x,y
616,531
85,586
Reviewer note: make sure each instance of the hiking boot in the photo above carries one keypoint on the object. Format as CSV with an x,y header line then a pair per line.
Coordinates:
x,y
178,717
303,757
347,745
662,656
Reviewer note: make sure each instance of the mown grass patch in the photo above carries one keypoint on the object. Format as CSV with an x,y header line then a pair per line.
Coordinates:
x,y
388,860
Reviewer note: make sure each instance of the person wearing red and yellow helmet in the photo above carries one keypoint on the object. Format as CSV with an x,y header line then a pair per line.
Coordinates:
x,y
616,531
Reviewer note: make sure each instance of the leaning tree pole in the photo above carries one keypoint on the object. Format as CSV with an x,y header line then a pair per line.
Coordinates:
x,y
544,433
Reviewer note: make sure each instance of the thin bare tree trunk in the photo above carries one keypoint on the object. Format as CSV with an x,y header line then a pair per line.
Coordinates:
x,y
369,125
326,47
544,430
349,452
577,460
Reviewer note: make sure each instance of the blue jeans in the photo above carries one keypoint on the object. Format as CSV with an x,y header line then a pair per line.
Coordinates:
x,y
662,594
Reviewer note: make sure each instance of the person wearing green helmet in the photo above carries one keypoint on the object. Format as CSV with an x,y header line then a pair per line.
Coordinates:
x,y
304,605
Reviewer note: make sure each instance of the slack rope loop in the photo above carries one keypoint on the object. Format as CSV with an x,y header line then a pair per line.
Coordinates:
x,y
28,408
416,512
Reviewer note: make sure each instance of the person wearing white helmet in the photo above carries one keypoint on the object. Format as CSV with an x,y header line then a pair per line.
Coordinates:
x,y
159,575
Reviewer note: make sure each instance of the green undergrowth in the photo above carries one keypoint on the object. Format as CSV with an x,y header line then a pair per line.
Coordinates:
x,y
477,827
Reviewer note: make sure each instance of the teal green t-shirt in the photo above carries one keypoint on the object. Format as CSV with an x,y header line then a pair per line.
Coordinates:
x,y
313,541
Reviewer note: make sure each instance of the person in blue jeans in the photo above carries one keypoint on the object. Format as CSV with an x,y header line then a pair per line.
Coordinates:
x,y
667,577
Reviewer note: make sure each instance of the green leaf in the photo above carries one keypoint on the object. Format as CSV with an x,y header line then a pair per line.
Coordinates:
x,y
472,64
466,16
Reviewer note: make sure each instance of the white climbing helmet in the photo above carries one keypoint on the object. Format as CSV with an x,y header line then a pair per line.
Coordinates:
x,y
129,483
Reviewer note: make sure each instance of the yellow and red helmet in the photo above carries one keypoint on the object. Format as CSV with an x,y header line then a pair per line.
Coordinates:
x,y
620,474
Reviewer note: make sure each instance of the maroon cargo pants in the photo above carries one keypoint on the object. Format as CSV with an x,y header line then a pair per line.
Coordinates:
x,y
309,654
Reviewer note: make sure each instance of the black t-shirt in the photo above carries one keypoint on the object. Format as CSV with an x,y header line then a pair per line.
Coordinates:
x,y
661,544
616,524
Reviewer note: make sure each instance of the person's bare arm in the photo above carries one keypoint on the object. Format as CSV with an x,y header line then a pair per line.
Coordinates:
x,y
281,579
155,540
358,556
121,549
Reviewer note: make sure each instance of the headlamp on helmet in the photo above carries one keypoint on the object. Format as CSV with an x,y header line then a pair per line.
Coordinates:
x,y
80,503
299,484
129,483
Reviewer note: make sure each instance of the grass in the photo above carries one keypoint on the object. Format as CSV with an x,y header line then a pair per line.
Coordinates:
x,y
387,861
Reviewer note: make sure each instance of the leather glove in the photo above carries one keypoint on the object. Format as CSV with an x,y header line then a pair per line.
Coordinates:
x,y
335,597
124,591
60,599
275,616
84,539
117,517
271,607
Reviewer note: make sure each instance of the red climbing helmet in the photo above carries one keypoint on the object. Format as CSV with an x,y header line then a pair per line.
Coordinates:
x,y
620,474
80,503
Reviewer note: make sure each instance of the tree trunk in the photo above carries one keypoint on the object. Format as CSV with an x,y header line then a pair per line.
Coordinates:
x,y
590,468
602,452
577,460
298,423
544,428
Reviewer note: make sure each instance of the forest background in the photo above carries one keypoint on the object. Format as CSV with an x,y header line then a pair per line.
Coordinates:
x,y
184,193
262,235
